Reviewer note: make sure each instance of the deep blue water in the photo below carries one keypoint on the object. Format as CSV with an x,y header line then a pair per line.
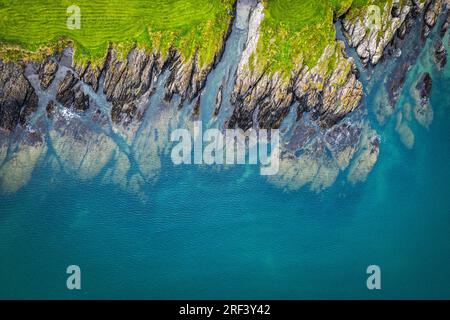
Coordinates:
x,y
218,235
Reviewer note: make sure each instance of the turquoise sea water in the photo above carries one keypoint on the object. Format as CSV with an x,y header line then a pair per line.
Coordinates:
x,y
204,234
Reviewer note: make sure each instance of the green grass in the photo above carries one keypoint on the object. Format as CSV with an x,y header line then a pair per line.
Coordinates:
x,y
298,31
29,29
292,32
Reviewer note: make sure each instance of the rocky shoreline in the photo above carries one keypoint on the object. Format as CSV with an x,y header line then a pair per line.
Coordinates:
x,y
91,116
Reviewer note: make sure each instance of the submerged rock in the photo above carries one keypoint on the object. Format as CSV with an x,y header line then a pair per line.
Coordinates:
x,y
424,114
446,23
403,129
367,157
423,111
79,149
90,74
17,168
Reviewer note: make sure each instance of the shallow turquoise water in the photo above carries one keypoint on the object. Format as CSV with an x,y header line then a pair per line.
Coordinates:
x,y
206,234
215,235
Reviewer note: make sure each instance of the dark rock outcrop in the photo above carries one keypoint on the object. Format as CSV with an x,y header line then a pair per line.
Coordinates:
x,y
18,99
424,87
50,109
47,73
127,80
446,24
440,54
70,93
89,74
433,9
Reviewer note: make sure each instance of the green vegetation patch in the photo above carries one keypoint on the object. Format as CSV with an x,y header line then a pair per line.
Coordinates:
x,y
31,28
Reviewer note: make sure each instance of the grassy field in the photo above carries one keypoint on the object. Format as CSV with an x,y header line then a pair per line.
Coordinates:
x,y
293,30
27,26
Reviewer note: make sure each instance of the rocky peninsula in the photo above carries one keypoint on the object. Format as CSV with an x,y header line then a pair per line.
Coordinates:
x,y
112,116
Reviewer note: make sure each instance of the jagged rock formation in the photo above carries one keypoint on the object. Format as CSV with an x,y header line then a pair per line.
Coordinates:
x,y
21,144
17,97
423,111
402,126
16,170
70,94
445,24
440,53
433,9
126,81
47,73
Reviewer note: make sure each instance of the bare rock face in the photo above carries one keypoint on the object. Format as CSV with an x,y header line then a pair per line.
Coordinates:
x,y
371,32
50,109
127,80
70,93
17,97
186,78
47,73
330,96
89,74
263,100
433,9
